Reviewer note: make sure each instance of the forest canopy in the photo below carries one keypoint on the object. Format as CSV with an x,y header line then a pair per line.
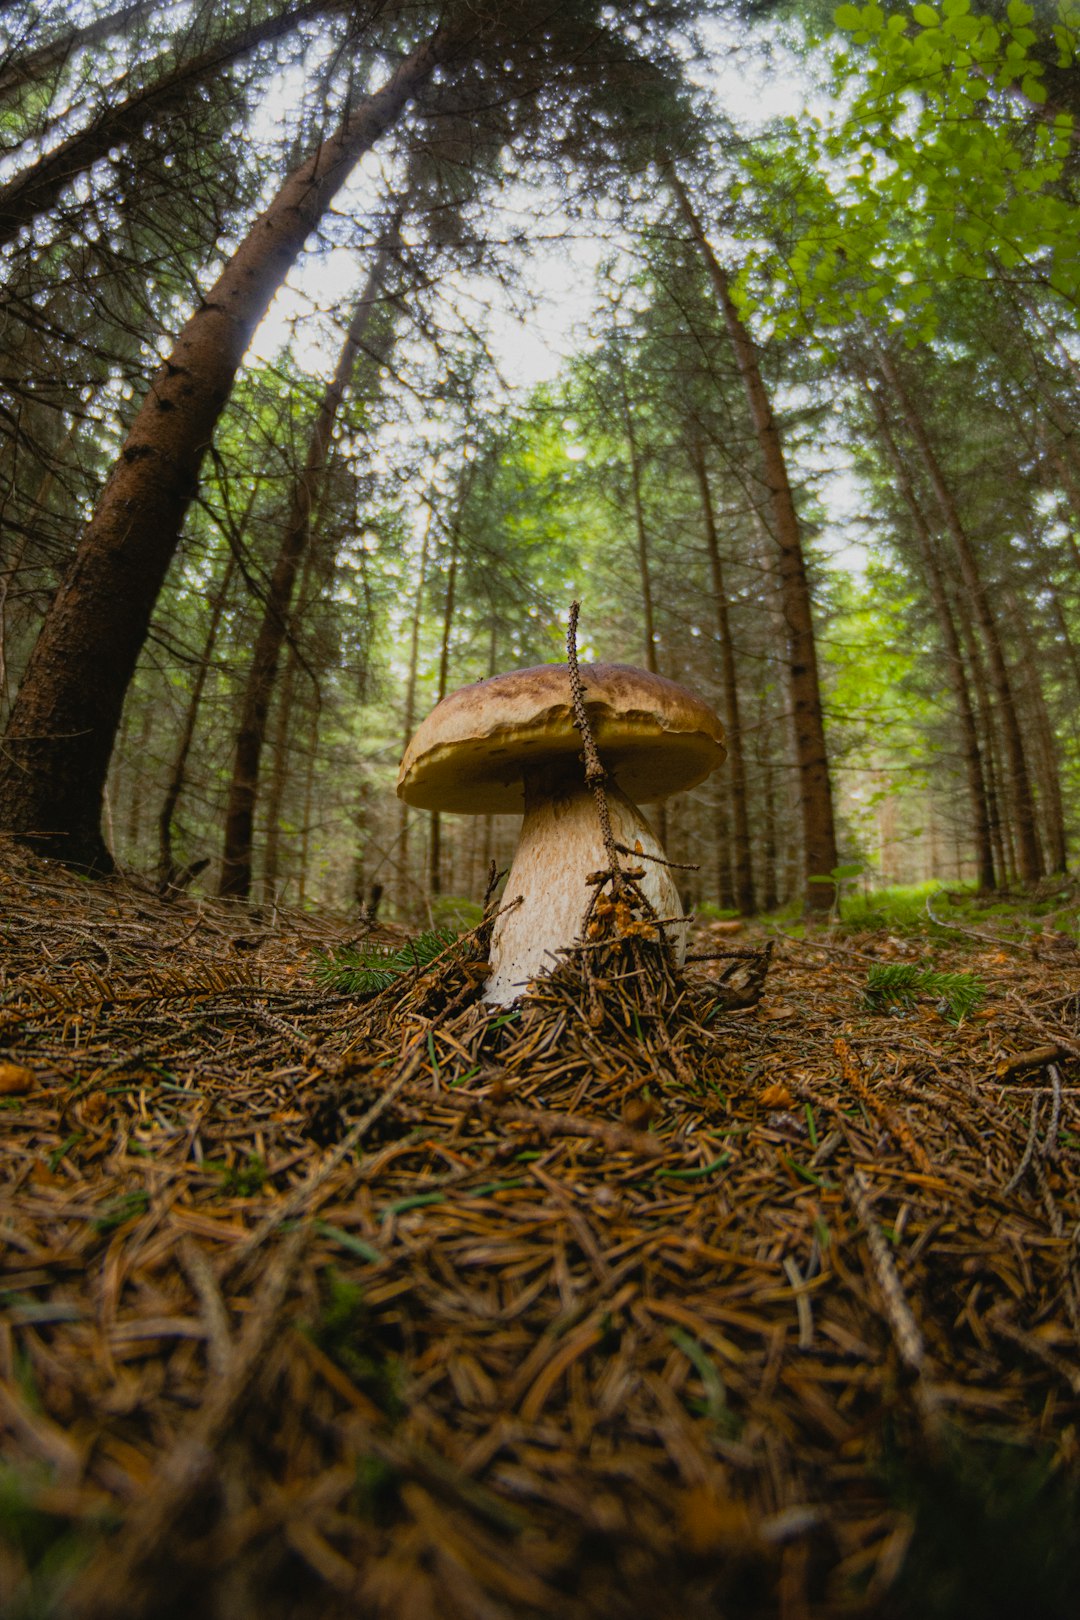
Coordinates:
x,y
343,345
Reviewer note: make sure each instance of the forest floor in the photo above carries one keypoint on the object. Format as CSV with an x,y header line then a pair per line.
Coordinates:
x,y
630,1302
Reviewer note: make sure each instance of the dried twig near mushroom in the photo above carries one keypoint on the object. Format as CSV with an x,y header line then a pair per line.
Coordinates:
x,y
514,743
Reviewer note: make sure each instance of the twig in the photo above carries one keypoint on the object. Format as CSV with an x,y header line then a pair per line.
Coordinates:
x,y
595,774
901,1318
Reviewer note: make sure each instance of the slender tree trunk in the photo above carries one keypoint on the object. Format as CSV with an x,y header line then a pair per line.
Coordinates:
x,y
435,846
954,658
306,812
236,861
1023,804
137,775
178,774
742,866
640,529
725,886
61,730
409,719
769,898
279,775
819,832
1046,744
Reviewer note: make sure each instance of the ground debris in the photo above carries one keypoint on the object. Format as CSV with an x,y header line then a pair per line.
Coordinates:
x,y
623,1301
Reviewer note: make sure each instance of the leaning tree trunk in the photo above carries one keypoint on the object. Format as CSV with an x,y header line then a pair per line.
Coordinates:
x,y
818,828
1023,803
244,785
61,730
742,865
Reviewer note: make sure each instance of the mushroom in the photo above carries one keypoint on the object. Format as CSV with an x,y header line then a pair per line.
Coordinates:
x,y
509,745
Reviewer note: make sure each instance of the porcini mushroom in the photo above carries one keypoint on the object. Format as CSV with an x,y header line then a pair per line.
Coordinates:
x,y
509,744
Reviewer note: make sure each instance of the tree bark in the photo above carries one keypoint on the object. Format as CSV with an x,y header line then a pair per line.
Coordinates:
x,y
61,730
640,529
178,774
954,658
742,866
435,845
1023,804
818,827
409,719
236,862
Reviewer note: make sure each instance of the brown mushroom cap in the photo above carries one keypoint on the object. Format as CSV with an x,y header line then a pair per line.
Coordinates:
x,y
472,751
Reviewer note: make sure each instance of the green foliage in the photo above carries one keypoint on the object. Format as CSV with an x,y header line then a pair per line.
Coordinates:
x,y
898,984
933,163
454,914
364,972
901,906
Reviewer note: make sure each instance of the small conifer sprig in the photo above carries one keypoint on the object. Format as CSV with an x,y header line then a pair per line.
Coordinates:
x,y
898,984
366,971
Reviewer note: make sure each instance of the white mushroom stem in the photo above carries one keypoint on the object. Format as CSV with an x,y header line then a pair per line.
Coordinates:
x,y
560,845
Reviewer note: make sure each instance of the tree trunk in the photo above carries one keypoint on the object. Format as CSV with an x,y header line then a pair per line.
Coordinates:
x,y
279,776
742,866
818,828
640,530
166,864
954,658
409,719
64,720
236,860
435,846
1023,805
1046,744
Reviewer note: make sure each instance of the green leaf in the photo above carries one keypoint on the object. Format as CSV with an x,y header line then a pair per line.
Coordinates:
x,y
1018,13
925,16
847,17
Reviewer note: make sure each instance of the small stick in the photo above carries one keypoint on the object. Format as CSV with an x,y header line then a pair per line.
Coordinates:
x,y
595,774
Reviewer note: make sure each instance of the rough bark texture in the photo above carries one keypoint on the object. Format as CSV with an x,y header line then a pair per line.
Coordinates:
x,y
560,845
236,861
818,828
1023,803
742,867
63,723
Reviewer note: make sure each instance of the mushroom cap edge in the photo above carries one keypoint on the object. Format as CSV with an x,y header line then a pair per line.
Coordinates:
x,y
470,754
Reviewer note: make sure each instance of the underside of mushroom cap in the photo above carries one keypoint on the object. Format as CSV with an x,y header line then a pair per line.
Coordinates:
x,y
472,751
